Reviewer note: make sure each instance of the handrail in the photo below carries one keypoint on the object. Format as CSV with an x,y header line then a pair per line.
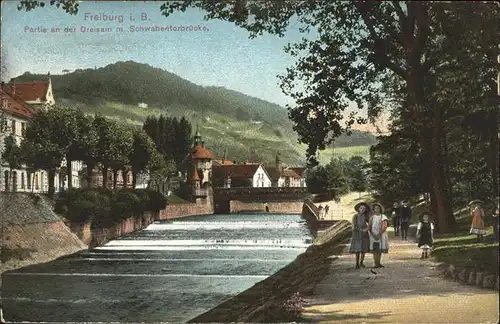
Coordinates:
x,y
315,210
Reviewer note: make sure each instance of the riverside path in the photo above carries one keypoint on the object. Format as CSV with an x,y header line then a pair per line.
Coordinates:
x,y
407,290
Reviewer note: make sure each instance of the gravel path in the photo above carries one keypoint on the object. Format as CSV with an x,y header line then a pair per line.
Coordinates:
x,y
407,290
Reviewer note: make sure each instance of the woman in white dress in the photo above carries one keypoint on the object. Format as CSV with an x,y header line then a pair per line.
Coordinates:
x,y
377,228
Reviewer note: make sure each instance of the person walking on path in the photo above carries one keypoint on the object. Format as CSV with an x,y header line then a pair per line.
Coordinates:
x,y
377,228
405,220
425,234
477,226
360,240
396,216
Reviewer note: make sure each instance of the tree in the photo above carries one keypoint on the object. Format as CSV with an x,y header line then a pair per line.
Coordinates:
x,y
108,145
327,179
11,156
356,174
143,149
41,148
123,149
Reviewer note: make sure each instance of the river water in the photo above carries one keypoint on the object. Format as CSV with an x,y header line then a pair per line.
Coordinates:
x,y
168,272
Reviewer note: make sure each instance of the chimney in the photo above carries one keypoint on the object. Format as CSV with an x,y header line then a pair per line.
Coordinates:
x,y
224,157
279,166
3,85
202,143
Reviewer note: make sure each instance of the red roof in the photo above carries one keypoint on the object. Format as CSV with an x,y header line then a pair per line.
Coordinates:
x,y
15,105
222,162
29,91
235,171
299,170
200,152
286,172
195,176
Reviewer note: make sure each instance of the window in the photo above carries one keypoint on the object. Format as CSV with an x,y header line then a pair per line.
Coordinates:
x,y
14,181
6,180
28,182
23,186
37,185
13,126
4,103
23,127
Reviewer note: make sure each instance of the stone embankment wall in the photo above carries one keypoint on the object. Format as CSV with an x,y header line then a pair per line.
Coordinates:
x,y
188,209
281,207
265,301
97,236
32,232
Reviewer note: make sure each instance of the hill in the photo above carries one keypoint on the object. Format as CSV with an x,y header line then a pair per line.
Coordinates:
x,y
249,128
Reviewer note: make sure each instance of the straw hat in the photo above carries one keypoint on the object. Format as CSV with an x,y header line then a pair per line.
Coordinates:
x,y
367,206
475,202
379,205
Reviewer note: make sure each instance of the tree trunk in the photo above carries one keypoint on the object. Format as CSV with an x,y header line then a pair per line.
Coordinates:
x,y
105,176
70,173
439,190
440,203
115,177
124,177
51,173
134,179
89,176
494,153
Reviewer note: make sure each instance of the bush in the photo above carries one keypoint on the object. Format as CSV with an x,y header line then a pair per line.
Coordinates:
x,y
124,205
79,205
157,201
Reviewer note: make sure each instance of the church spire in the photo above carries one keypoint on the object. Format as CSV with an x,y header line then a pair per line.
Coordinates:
x,y
197,137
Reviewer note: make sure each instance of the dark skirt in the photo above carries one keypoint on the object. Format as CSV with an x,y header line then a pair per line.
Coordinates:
x,y
425,239
360,242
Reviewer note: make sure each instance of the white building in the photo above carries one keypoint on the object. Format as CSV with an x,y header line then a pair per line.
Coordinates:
x,y
241,175
142,105
21,100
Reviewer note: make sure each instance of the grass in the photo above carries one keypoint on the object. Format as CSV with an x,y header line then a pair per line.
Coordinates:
x,y
344,152
175,200
462,250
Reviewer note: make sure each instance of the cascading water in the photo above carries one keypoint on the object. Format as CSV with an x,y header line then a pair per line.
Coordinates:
x,y
170,271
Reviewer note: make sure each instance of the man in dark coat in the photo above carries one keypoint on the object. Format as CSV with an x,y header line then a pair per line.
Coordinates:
x,y
405,220
396,217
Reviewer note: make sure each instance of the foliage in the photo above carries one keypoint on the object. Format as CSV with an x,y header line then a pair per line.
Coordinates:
x,y
143,149
355,170
104,206
11,154
328,179
70,6
172,137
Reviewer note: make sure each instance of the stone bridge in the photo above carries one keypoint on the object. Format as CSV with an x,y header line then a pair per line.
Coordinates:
x,y
269,199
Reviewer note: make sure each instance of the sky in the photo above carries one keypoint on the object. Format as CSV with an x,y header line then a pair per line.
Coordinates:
x,y
220,54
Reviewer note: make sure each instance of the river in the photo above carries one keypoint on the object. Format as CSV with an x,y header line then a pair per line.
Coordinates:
x,y
168,272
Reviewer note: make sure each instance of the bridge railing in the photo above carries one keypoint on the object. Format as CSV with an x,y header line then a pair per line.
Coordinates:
x,y
315,210
261,190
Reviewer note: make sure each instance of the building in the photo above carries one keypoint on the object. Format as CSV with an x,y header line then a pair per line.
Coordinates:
x,y
241,175
282,176
142,105
14,115
36,94
200,175
302,173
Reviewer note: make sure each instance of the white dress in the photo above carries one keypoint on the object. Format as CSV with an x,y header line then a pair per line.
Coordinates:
x,y
377,221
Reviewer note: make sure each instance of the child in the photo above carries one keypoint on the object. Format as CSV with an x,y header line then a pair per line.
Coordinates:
x,y
425,235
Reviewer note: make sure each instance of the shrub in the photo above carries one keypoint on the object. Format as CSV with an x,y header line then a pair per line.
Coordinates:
x,y
157,201
83,205
124,205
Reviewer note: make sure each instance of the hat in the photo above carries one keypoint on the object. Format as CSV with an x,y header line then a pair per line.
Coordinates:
x,y
356,208
475,202
377,204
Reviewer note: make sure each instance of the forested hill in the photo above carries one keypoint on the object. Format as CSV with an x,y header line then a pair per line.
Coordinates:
x,y
246,125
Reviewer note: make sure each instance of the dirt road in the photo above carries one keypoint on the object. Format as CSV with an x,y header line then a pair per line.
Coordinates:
x,y
407,290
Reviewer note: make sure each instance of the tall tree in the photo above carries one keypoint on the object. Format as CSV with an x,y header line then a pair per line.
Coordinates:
x,y
143,149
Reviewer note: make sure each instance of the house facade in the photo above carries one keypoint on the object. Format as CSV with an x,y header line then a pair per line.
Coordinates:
x,y
241,175
282,176
14,116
